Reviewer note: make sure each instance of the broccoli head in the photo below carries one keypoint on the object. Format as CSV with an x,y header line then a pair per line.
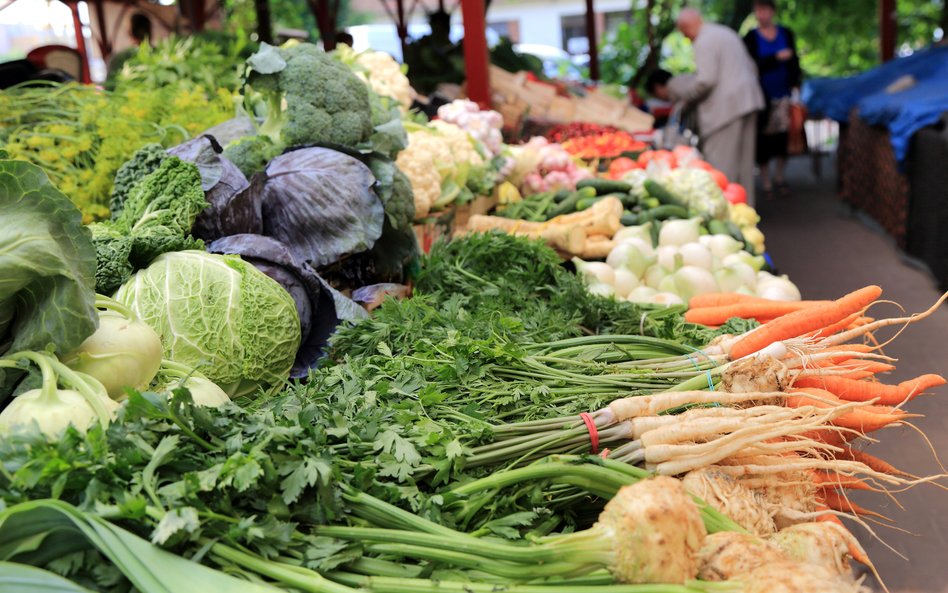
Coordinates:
x,y
310,97
145,160
251,153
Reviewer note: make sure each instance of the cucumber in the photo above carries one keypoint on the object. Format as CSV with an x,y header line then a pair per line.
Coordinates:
x,y
735,231
585,203
561,195
650,203
664,212
629,219
569,204
661,193
628,200
604,186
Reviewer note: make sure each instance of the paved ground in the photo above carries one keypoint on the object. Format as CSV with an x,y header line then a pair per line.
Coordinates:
x,y
829,250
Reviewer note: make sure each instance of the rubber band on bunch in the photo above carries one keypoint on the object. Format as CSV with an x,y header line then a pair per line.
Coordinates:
x,y
593,431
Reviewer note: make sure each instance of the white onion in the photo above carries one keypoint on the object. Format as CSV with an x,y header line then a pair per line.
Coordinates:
x,y
667,298
594,271
668,257
679,232
632,254
625,282
602,289
642,232
696,254
692,280
642,294
722,246
654,276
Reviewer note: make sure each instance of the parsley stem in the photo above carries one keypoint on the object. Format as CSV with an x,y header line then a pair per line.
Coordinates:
x,y
295,576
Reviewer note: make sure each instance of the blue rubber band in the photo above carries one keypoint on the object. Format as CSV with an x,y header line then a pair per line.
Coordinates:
x,y
694,361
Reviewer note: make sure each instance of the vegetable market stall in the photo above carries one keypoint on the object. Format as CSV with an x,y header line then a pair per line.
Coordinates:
x,y
253,402
884,108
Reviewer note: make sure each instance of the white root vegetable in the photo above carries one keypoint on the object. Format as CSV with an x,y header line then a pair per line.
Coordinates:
x,y
824,544
568,238
652,405
754,374
658,532
794,577
727,555
730,497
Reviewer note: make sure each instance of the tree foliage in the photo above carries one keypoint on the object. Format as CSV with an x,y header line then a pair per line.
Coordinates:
x,y
834,37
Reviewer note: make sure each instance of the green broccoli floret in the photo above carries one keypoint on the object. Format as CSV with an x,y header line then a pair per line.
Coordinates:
x,y
145,160
310,97
112,250
251,153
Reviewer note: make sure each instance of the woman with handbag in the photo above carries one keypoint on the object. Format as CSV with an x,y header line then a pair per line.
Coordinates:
x,y
773,48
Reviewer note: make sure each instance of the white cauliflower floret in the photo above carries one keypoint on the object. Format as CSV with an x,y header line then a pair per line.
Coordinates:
x,y
459,143
384,75
417,162
484,126
437,152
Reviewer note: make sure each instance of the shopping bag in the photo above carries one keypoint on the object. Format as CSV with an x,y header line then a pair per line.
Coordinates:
x,y
796,131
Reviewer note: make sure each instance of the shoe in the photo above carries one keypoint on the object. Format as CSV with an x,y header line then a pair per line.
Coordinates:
x,y
783,189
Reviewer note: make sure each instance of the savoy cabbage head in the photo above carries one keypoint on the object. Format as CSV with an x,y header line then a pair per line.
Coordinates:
x,y
220,315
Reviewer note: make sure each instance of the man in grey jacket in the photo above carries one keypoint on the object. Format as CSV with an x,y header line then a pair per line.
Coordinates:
x,y
726,94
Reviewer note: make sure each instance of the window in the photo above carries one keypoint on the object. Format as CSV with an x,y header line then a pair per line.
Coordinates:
x,y
508,29
614,19
572,26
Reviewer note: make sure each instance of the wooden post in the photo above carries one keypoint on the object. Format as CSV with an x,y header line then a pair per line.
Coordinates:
x,y
264,25
105,44
887,29
80,43
592,38
401,27
476,57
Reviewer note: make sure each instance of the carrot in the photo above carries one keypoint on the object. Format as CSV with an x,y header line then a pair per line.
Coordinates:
x,y
799,397
804,321
835,327
719,299
870,461
858,391
872,366
828,436
836,502
759,310
828,479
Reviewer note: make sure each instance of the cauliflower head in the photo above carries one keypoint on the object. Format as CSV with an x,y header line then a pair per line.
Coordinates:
x,y
384,76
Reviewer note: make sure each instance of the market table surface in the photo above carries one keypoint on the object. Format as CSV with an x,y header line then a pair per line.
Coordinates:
x,y
829,250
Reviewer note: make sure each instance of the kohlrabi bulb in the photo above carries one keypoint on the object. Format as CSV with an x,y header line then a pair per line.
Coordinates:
x,y
122,353
53,413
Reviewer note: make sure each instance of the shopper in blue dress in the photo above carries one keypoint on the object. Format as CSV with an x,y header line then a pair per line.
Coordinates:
x,y
773,47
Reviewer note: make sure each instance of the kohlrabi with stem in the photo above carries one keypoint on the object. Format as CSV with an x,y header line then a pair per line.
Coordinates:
x,y
204,392
65,397
123,352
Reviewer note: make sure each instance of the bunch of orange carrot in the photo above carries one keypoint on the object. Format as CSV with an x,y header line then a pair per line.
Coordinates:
x,y
827,371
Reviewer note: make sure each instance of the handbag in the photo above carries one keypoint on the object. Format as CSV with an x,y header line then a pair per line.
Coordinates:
x,y
796,132
778,116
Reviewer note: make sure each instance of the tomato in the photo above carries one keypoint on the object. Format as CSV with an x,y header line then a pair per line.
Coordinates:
x,y
720,178
735,193
621,166
658,155
699,164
